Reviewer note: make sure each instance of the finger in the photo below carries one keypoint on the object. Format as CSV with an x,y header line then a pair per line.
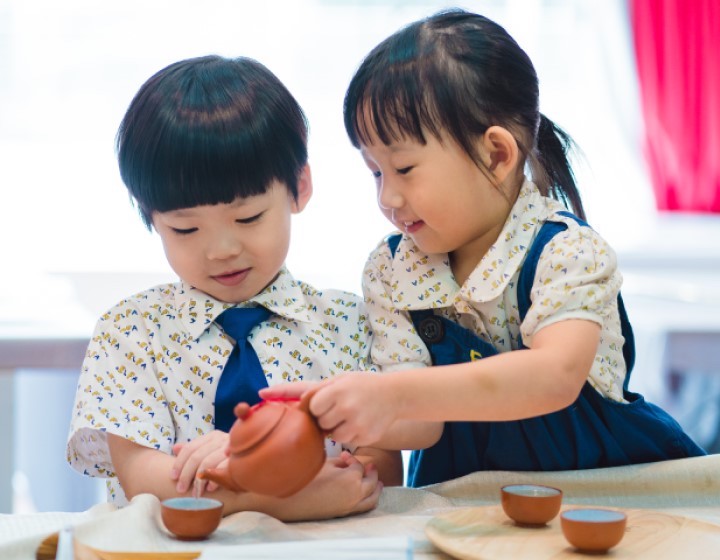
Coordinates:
x,y
190,466
343,433
358,469
199,486
349,458
323,400
184,452
369,468
371,500
187,476
285,390
184,465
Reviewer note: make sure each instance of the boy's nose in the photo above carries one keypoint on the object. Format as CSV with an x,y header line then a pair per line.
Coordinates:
x,y
224,247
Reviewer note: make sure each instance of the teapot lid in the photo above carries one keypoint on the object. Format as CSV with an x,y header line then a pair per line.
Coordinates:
x,y
259,421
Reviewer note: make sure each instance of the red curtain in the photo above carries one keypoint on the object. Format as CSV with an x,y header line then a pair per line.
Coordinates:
x,y
677,47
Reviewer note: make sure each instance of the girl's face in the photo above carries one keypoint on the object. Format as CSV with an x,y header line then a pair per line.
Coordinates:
x,y
436,194
232,251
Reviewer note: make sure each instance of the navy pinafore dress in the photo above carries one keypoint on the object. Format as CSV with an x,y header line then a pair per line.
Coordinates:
x,y
593,432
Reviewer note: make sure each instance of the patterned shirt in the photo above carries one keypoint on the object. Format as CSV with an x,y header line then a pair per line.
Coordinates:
x,y
576,278
154,361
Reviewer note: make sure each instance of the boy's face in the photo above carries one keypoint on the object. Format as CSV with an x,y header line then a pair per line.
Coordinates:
x,y
232,251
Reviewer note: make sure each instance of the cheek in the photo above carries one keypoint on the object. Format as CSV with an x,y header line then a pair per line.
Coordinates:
x,y
271,245
174,256
179,253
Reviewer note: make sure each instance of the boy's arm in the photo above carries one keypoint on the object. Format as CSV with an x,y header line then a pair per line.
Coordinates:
x,y
343,486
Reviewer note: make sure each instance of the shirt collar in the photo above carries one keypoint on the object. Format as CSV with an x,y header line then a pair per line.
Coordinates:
x,y
426,281
284,296
421,280
497,267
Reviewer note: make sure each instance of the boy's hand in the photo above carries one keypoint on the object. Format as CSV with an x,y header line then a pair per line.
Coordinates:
x,y
204,452
343,487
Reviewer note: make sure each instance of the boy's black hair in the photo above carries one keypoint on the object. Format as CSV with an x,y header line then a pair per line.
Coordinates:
x,y
459,73
208,130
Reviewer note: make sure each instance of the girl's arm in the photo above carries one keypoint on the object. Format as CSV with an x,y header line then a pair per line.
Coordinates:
x,y
403,434
366,410
343,487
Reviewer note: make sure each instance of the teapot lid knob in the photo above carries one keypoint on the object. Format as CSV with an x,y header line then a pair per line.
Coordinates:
x,y
254,424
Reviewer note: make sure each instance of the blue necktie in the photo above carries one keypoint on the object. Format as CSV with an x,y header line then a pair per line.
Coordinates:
x,y
243,375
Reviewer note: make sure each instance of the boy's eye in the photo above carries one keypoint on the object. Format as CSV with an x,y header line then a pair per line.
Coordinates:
x,y
251,219
405,170
187,231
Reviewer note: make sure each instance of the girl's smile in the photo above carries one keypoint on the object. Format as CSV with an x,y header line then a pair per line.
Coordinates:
x,y
412,227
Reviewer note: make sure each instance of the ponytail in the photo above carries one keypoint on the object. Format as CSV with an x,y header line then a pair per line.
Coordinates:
x,y
551,168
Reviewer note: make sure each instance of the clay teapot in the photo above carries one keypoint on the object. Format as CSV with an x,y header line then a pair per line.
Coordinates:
x,y
276,448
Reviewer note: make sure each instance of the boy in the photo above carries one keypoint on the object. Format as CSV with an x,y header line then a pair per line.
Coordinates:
x,y
214,153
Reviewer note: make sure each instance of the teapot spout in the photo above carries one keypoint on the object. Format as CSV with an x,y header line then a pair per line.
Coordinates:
x,y
221,477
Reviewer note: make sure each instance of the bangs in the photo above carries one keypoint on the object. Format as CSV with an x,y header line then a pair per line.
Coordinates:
x,y
207,133
391,100
200,162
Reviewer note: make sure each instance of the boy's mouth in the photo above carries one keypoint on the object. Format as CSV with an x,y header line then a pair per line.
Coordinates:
x,y
232,278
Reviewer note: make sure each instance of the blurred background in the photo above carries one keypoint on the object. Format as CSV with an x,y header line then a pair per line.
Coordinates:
x,y
636,84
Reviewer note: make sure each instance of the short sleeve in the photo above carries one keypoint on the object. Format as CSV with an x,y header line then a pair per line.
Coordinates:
x,y
395,344
119,393
576,278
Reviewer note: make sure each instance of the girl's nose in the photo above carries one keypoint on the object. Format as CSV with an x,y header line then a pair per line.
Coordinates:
x,y
388,196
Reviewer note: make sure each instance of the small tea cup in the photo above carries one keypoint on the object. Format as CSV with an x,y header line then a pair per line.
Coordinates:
x,y
191,519
593,530
530,504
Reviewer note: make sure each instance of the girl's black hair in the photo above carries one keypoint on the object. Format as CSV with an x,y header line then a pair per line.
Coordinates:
x,y
208,130
459,73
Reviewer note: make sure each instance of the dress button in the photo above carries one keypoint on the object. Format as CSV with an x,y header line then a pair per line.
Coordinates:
x,y
432,330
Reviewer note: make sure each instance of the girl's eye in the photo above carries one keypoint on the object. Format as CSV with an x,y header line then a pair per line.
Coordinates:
x,y
187,231
251,219
405,170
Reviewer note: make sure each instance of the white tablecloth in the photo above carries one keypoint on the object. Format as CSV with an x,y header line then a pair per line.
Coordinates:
x,y
395,529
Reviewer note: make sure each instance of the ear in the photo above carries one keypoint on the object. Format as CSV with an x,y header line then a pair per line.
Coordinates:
x,y
304,190
501,149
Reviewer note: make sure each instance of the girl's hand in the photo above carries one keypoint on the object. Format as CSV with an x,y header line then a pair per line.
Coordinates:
x,y
292,390
204,452
354,409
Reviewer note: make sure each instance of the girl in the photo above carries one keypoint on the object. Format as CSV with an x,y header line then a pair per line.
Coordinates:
x,y
512,299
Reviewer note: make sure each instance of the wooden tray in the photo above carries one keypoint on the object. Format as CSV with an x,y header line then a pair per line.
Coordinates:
x,y
486,533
